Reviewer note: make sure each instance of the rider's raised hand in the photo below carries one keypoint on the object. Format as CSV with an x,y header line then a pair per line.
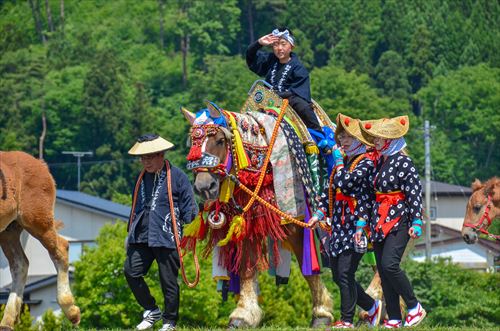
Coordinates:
x,y
268,39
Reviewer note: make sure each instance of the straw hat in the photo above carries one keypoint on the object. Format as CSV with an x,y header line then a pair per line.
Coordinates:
x,y
149,144
386,128
351,126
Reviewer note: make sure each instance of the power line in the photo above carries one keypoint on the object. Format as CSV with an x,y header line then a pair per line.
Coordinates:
x,y
58,164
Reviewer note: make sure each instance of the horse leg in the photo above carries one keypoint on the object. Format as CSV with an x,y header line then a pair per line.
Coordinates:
x,y
18,262
57,248
247,313
321,298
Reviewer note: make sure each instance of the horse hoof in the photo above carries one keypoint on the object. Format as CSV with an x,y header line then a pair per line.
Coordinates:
x,y
237,323
320,322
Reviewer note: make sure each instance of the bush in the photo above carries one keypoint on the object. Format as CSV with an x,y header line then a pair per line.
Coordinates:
x,y
451,295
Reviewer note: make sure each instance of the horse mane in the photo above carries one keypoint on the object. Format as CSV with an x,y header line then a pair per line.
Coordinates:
x,y
488,188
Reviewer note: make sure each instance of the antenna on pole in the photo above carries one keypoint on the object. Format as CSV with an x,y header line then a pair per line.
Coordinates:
x,y
78,156
427,140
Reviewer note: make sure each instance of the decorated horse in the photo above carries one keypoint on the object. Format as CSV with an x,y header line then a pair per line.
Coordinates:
x,y
258,175
482,208
246,165
27,203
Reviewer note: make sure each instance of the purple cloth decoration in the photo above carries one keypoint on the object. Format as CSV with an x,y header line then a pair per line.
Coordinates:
x,y
306,249
234,283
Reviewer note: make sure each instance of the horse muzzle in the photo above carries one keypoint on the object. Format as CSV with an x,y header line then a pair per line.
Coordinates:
x,y
206,185
470,236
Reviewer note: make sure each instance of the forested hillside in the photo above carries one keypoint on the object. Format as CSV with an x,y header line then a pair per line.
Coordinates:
x,y
99,73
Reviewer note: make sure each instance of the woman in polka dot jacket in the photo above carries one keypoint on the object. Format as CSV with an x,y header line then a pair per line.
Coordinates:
x,y
350,198
396,215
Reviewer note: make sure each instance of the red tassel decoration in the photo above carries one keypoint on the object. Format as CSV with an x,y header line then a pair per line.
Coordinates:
x,y
194,152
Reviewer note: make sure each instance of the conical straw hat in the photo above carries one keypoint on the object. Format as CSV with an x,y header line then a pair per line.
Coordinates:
x,y
351,126
386,128
149,144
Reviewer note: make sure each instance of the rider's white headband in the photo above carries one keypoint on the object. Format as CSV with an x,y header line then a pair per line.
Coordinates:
x,y
285,35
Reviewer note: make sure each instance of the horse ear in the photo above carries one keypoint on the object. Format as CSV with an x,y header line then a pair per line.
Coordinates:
x,y
188,115
213,109
476,185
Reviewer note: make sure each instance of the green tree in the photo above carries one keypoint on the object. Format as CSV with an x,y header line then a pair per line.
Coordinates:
x,y
390,76
464,105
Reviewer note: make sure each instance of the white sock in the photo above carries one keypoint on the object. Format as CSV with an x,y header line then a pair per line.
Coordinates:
x,y
394,321
414,310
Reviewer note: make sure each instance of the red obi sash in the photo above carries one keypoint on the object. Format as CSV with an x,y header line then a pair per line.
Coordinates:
x,y
386,201
351,202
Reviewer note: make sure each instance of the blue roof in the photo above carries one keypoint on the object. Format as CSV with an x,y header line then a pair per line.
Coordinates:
x,y
111,208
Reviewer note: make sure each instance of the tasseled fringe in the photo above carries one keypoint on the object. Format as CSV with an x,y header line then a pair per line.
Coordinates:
x,y
194,153
250,179
194,231
250,253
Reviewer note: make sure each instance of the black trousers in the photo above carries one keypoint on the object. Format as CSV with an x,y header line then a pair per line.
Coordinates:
x,y
305,112
395,283
344,267
138,261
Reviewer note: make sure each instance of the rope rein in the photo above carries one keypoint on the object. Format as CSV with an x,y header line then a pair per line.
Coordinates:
x,y
176,236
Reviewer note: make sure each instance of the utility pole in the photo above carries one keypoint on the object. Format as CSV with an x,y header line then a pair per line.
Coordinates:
x,y
78,156
427,140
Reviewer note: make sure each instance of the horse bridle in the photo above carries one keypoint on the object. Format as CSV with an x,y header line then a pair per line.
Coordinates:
x,y
199,135
481,225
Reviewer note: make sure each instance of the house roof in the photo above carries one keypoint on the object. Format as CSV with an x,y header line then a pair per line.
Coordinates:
x,y
104,206
456,236
440,188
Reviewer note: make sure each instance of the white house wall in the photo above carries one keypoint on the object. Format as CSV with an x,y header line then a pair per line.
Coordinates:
x,y
48,295
473,256
79,223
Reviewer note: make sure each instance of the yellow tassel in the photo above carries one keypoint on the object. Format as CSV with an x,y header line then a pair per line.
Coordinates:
x,y
312,149
226,190
238,145
237,228
192,229
217,278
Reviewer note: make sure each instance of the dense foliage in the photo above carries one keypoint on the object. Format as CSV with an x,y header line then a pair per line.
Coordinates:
x,y
102,72
451,295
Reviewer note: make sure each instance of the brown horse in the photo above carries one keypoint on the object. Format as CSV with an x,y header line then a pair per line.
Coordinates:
x,y
483,207
27,203
248,313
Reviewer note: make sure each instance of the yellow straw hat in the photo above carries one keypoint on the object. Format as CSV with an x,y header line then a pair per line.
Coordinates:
x,y
386,128
149,144
351,126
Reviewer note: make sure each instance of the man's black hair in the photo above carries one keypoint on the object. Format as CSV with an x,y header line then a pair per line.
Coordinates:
x,y
147,137
283,28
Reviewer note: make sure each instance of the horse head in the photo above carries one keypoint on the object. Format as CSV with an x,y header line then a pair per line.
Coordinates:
x,y
482,208
209,156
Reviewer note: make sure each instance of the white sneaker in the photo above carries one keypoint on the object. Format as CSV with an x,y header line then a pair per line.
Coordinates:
x,y
416,316
150,317
169,326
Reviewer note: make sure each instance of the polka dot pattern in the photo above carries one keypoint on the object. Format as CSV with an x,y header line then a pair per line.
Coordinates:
x,y
397,173
357,184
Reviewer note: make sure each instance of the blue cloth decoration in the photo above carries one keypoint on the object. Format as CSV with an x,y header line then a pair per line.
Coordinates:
x,y
325,139
204,116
